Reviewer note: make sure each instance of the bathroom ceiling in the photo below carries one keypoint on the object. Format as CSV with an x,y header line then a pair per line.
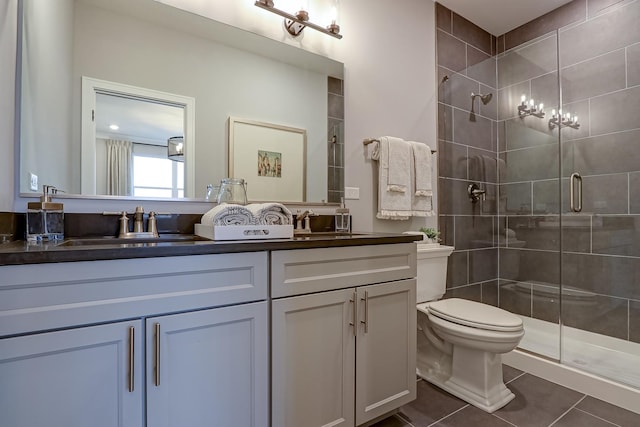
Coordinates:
x,y
500,16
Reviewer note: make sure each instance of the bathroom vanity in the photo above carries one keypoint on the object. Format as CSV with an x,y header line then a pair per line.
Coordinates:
x,y
305,331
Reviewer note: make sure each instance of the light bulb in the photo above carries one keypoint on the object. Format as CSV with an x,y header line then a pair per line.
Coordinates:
x,y
541,106
523,98
531,102
575,119
553,112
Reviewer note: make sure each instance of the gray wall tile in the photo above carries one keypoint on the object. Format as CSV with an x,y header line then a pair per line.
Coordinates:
x,y
535,232
617,235
474,232
613,153
597,313
580,109
574,11
602,274
544,89
597,76
532,60
452,198
483,265
633,65
532,164
451,52
452,160
335,86
605,194
546,197
457,91
481,67
471,33
614,31
476,133
625,103
515,199
457,269
545,302
490,292
472,292
540,266
336,106
634,193
447,227
445,122
490,109
443,17
509,99
515,297
634,321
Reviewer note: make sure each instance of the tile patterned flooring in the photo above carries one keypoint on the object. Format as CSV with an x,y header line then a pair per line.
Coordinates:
x,y
538,403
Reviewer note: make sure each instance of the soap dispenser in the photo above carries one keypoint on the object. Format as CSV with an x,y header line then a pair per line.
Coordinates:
x,y
342,221
45,219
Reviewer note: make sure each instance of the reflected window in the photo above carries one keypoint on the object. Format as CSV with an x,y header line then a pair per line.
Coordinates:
x,y
154,175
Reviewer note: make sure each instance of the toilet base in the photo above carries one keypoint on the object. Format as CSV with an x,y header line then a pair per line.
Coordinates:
x,y
475,377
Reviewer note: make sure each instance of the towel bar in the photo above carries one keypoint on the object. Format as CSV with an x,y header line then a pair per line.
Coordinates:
x,y
368,141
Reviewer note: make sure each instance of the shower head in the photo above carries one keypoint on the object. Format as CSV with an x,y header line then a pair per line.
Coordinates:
x,y
484,98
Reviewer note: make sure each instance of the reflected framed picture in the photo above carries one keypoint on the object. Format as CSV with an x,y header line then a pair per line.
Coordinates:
x,y
271,158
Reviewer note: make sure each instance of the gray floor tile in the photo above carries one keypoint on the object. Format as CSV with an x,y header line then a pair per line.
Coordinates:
x,y
431,405
609,412
392,421
538,402
509,373
577,418
472,416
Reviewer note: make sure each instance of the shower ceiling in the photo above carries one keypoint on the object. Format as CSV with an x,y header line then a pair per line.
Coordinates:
x,y
500,16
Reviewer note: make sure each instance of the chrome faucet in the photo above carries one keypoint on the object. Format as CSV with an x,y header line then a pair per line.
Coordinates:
x,y
138,225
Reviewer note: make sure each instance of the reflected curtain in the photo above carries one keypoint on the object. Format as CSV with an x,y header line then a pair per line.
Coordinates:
x,y
119,167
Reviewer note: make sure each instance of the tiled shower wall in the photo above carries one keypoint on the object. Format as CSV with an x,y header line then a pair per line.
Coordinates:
x,y
600,79
467,152
335,123
514,233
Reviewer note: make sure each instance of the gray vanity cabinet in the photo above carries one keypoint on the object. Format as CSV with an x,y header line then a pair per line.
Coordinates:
x,y
343,334
74,377
79,342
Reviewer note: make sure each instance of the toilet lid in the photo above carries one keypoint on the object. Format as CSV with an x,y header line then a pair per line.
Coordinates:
x,y
475,314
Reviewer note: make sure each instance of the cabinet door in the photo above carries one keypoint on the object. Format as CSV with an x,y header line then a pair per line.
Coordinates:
x,y
313,360
74,377
213,368
385,348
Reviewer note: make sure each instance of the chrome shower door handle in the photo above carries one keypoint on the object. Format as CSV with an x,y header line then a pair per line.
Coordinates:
x,y
573,180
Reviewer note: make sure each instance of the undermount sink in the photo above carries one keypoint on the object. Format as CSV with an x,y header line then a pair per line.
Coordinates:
x,y
147,241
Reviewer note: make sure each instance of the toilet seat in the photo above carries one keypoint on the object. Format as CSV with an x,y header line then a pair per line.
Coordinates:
x,y
475,315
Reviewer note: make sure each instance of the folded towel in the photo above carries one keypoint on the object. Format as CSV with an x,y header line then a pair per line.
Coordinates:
x,y
422,196
422,164
228,214
399,177
271,213
391,204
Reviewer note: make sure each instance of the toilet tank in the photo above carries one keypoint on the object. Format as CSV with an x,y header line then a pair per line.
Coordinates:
x,y
432,271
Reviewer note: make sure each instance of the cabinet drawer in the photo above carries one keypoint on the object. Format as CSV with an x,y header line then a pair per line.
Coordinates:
x,y
50,296
306,271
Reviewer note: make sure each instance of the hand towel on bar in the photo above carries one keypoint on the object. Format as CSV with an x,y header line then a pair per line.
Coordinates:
x,y
228,214
422,196
271,213
399,177
391,204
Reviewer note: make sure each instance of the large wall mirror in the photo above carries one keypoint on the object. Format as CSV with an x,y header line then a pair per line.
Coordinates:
x,y
208,71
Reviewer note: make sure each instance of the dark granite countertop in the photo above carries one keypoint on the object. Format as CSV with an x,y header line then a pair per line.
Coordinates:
x,y
90,249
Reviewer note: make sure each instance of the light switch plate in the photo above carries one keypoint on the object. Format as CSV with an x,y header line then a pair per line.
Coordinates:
x,y
351,193
33,181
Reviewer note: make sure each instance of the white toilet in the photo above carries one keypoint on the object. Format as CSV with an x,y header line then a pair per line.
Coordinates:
x,y
460,341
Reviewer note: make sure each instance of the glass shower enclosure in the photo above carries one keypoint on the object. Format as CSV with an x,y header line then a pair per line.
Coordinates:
x,y
569,192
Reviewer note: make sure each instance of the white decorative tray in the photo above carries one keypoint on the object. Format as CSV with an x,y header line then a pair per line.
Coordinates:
x,y
244,232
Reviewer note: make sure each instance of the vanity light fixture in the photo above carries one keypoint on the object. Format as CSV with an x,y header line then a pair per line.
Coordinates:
x,y
529,108
175,148
294,24
561,120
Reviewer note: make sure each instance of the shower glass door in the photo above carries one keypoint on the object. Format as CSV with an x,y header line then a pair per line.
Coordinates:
x,y
529,237
599,129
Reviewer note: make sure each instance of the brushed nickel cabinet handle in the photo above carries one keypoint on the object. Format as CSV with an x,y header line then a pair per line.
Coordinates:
x,y
366,312
132,342
354,300
156,367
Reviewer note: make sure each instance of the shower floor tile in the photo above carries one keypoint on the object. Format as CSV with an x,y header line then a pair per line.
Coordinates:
x,y
538,403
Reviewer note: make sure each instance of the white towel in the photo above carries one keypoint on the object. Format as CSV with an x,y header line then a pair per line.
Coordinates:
x,y
399,176
422,163
271,213
228,214
391,204
422,194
